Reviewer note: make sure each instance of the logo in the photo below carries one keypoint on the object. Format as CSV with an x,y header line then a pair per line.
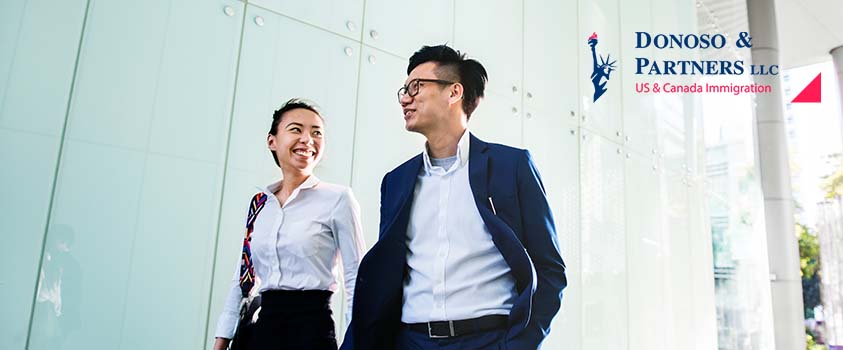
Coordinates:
x,y
812,93
600,72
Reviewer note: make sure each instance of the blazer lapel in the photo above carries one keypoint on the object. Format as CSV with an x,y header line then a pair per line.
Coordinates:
x,y
478,170
503,236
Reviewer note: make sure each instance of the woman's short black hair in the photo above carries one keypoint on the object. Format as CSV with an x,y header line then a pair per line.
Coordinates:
x,y
452,65
291,104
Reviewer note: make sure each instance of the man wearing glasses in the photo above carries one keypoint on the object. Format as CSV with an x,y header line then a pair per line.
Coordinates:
x,y
467,256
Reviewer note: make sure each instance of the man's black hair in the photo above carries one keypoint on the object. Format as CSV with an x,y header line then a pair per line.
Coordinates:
x,y
452,65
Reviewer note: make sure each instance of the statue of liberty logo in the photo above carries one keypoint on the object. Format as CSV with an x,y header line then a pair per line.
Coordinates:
x,y
600,72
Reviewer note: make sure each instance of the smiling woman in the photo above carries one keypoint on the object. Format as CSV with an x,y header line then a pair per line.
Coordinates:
x,y
289,253
297,111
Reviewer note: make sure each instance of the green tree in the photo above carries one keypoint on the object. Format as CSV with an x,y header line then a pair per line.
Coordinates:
x,y
810,343
833,184
809,263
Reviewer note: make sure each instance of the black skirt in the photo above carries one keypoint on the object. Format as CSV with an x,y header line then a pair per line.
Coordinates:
x,y
295,320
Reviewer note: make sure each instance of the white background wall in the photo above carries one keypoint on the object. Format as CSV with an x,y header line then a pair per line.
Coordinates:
x,y
134,133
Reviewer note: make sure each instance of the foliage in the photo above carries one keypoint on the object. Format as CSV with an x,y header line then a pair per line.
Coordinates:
x,y
833,185
809,263
810,343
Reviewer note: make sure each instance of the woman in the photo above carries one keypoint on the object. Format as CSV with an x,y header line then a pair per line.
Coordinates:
x,y
295,241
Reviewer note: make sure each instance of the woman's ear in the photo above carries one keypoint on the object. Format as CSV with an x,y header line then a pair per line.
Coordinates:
x,y
271,142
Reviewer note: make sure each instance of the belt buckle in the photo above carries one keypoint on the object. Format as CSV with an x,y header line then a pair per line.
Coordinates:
x,y
450,328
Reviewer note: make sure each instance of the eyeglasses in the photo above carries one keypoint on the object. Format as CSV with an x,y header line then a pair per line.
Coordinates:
x,y
412,88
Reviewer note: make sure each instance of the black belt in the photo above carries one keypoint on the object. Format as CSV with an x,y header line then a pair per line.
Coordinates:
x,y
296,300
447,329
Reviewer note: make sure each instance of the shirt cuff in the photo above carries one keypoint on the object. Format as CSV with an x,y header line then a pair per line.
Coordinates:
x,y
227,325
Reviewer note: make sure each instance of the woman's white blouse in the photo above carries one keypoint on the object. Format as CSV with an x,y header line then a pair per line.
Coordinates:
x,y
297,246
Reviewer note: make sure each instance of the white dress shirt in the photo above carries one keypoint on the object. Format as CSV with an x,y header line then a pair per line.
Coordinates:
x,y
455,270
296,246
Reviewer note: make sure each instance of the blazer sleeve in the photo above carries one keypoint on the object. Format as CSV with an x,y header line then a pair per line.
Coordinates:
x,y
539,232
383,219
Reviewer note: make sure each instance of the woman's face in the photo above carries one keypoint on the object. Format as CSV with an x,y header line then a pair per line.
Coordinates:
x,y
298,140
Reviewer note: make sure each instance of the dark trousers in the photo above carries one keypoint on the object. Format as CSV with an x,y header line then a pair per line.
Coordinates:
x,y
412,340
295,320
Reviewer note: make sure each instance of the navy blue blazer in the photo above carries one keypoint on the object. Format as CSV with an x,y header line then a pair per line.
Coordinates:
x,y
521,226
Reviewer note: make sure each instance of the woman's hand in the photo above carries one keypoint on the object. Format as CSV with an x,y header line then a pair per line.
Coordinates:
x,y
221,344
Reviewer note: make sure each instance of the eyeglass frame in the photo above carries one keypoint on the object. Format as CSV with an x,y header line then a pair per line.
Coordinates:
x,y
418,82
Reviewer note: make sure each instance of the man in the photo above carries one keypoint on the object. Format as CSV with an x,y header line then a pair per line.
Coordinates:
x,y
467,256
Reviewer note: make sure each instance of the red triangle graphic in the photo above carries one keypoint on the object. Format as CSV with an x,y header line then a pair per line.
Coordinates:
x,y
811,93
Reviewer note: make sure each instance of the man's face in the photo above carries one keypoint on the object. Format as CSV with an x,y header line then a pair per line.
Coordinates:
x,y
429,106
298,140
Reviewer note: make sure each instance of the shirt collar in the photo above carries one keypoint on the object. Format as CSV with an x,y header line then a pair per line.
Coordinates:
x,y
309,183
462,155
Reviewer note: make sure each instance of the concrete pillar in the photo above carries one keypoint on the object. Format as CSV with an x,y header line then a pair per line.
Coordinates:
x,y
837,58
782,244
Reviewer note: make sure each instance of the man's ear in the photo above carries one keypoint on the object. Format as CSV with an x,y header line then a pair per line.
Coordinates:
x,y
456,93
